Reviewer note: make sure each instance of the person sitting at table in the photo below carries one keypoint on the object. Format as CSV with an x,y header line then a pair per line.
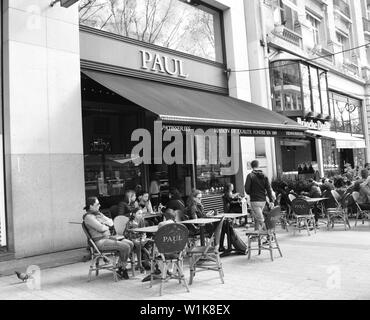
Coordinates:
x,y
315,192
144,203
98,226
139,239
364,199
169,217
232,201
175,200
195,210
128,204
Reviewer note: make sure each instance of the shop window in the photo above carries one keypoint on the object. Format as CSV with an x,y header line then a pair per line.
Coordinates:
x,y
260,146
347,114
209,169
173,24
306,88
292,79
315,90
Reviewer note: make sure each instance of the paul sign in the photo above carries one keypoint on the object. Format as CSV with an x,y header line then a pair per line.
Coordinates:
x,y
159,63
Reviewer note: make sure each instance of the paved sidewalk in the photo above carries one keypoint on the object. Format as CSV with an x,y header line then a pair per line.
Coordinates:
x,y
327,265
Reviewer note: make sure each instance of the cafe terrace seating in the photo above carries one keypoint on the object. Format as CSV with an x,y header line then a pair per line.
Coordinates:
x,y
269,235
170,241
337,214
207,257
302,213
361,214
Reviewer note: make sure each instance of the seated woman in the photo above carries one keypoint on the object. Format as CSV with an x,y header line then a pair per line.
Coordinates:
x,y
195,210
139,239
98,226
128,204
144,203
175,202
231,200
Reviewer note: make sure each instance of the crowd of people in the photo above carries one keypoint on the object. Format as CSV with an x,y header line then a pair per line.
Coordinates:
x,y
357,179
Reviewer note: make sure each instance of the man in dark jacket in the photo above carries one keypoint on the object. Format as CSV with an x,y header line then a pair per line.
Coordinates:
x,y
258,187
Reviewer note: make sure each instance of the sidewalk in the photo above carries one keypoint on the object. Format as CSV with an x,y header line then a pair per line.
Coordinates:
x,y
327,265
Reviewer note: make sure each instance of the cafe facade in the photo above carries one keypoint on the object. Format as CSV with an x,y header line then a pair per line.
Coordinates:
x,y
96,102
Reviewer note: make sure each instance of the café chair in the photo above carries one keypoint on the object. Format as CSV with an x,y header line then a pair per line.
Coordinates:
x,y
290,214
271,218
337,214
109,257
120,224
362,214
170,241
207,257
303,216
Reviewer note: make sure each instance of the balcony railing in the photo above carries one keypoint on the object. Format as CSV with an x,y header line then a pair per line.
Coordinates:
x,y
366,23
343,7
290,36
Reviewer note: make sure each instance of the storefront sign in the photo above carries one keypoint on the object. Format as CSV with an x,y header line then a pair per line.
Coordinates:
x,y
318,125
241,132
156,62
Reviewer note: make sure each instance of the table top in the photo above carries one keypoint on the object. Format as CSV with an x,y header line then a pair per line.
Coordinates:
x,y
315,199
230,215
201,221
151,229
151,215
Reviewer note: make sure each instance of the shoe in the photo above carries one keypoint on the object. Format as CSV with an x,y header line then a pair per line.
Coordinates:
x,y
221,249
122,273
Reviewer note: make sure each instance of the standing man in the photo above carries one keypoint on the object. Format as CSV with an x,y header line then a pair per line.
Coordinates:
x,y
258,187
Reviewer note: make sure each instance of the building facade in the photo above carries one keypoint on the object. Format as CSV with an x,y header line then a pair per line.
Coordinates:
x,y
78,82
316,61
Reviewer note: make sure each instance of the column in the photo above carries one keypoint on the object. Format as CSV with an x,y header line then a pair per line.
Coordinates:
x,y
320,161
43,127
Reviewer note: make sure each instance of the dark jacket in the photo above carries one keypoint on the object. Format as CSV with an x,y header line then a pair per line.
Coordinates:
x,y
258,186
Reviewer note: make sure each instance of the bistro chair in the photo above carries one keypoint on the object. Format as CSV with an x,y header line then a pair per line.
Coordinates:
x,y
337,214
284,215
207,257
290,210
302,213
170,241
271,243
361,214
120,224
109,257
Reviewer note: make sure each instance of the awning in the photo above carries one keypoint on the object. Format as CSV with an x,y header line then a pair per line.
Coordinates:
x,y
182,106
343,140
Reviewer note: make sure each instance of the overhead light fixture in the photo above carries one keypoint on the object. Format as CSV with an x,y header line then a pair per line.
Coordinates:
x,y
64,3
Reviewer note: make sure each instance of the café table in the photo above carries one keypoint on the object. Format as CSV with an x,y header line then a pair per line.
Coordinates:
x,y
230,216
201,222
